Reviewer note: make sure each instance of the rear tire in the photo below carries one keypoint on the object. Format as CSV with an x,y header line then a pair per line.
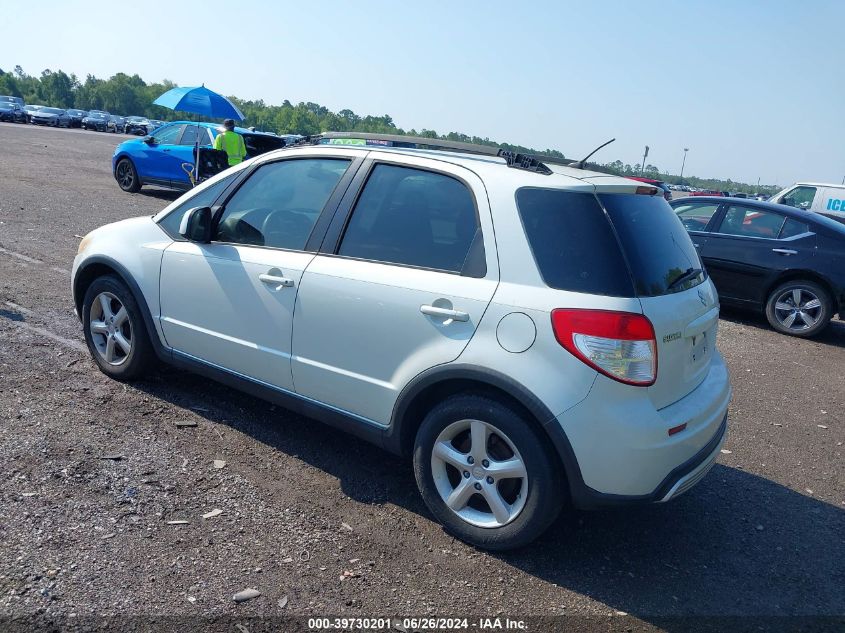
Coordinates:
x,y
118,339
799,308
471,449
127,176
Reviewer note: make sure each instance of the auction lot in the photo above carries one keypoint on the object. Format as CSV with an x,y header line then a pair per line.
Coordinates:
x,y
94,472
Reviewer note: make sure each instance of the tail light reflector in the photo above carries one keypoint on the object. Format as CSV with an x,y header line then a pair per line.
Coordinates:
x,y
620,345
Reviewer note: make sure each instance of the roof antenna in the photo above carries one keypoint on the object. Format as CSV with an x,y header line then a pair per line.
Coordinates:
x,y
580,164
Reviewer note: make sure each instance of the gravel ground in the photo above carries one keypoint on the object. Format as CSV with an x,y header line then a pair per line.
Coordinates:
x,y
103,495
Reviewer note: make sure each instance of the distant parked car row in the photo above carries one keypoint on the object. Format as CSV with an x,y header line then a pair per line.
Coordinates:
x,y
14,110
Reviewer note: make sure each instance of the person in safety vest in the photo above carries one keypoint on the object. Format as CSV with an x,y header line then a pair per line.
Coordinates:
x,y
231,142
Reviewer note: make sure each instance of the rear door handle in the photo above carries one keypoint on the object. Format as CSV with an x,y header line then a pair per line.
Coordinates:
x,y
282,282
455,315
784,251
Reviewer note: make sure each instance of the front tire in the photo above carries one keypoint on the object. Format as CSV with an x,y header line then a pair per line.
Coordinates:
x,y
127,176
799,308
115,331
487,473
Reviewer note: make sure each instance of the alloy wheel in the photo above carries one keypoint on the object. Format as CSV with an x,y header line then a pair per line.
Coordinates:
x,y
479,474
125,176
798,309
111,329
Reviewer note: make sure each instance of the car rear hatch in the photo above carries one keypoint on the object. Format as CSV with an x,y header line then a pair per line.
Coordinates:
x,y
672,287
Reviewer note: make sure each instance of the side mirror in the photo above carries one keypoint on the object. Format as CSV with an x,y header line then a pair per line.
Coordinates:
x,y
196,225
149,140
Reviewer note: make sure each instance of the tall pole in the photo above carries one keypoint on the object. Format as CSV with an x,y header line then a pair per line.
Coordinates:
x,y
642,166
686,149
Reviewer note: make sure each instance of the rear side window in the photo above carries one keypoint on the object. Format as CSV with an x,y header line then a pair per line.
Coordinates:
x,y
656,245
791,228
573,242
414,217
750,222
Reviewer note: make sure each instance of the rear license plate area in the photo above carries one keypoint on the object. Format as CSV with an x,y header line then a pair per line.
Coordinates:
x,y
700,348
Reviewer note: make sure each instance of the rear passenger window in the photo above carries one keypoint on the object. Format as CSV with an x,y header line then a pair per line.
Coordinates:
x,y
791,228
414,217
573,243
280,203
750,222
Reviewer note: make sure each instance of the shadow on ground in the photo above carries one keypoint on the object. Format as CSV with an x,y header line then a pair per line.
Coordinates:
x,y
737,544
168,195
834,334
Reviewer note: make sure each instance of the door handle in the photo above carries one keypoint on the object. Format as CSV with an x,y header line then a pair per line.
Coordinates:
x,y
281,282
784,251
455,315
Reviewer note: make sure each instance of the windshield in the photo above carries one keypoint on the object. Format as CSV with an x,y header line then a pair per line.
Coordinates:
x,y
658,249
51,110
97,115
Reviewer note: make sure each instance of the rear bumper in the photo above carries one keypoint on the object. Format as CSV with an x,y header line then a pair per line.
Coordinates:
x,y
617,450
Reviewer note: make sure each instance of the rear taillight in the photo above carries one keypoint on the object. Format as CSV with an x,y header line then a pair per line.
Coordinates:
x,y
620,345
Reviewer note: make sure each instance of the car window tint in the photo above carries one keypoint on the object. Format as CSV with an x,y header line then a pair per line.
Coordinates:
x,y
695,217
657,247
751,222
189,136
801,197
171,222
573,242
168,135
413,217
791,228
280,203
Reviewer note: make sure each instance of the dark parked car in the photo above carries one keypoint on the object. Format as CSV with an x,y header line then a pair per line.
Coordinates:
x,y
12,112
664,188
137,125
54,117
154,125
787,262
76,117
9,99
96,120
116,123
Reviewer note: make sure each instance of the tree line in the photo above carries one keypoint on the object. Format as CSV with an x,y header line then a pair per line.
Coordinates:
x,y
130,95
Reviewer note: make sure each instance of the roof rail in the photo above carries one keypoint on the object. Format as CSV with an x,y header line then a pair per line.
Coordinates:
x,y
515,160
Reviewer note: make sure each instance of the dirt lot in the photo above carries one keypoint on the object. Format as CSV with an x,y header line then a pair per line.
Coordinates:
x,y
334,526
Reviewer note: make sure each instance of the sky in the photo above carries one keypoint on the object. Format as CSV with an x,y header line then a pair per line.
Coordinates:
x,y
754,88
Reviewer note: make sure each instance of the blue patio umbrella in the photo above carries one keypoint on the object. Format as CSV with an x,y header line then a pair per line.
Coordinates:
x,y
200,100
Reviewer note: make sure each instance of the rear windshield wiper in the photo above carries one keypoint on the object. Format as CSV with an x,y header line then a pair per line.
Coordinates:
x,y
687,275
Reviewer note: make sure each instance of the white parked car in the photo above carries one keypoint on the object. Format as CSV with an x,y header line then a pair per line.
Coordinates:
x,y
528,334
814,196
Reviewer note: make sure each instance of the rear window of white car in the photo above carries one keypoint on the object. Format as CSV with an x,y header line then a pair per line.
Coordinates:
x,y
573,242
657,247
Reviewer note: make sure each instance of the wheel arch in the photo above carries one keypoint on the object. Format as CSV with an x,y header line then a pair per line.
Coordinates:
x,y
805,275
99,266
438,383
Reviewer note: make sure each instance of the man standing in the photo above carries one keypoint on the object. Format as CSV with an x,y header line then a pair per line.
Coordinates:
x,y
231,142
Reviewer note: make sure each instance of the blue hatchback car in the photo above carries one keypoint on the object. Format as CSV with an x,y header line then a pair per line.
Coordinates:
x,y
157,159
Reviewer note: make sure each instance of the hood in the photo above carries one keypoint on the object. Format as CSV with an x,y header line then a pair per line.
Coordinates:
x,y
44,115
